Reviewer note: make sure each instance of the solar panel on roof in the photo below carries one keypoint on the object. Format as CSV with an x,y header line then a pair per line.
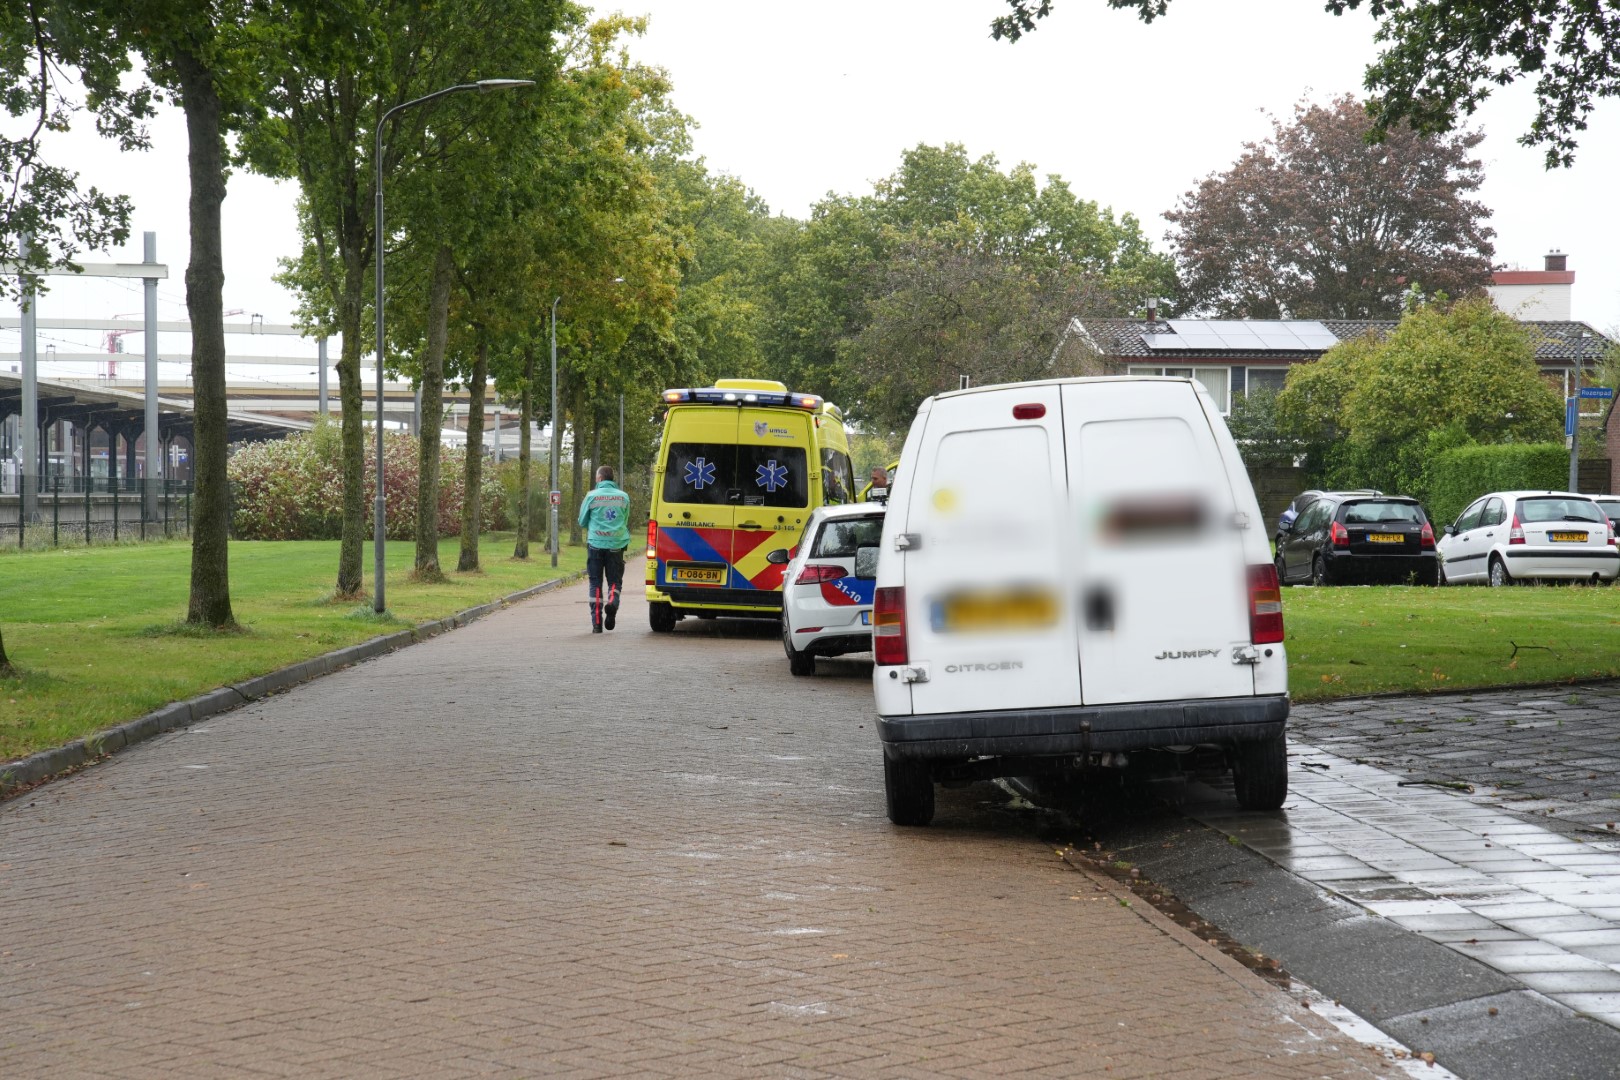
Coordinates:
x,y
1159,342
1241,339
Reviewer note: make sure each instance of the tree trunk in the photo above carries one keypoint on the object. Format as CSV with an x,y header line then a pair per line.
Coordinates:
x,y
350,393
205,287
471,508
5,664
427,461
521,549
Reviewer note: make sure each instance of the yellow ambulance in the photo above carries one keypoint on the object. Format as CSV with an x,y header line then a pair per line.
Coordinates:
x,y
740,467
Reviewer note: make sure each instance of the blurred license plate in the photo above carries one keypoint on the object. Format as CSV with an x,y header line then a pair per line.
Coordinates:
x,y
699,575
1567,538
866,618
995,611
1385,538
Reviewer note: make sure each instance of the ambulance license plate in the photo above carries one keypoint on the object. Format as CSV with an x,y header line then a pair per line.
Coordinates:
x,y
1002,610
1385,538
697,575
1567,538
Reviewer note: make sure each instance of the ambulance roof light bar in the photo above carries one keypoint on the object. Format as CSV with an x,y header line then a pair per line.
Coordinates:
x,y
713,395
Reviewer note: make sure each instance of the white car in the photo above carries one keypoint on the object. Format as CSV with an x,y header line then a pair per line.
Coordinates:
x,y
828,586
1510,536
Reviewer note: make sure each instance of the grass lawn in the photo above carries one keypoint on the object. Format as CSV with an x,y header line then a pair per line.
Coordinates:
x,y
1347,641
96,632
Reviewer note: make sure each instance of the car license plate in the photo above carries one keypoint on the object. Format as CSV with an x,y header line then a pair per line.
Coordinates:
x,y
1023,610
1385,538
1567,538
698,575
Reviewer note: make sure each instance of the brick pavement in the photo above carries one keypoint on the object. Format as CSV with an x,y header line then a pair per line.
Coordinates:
x,y
521,849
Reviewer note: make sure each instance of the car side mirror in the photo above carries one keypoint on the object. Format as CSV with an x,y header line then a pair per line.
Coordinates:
x,y
1451,530
866,561
1285,526
779,557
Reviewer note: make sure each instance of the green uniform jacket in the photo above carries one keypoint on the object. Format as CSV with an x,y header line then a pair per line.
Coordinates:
x,y
606,511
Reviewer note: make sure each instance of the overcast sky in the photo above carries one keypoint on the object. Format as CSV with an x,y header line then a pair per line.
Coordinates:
x,y
799,99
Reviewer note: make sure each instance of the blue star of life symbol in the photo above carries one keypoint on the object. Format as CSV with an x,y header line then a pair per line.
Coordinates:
x,y
771,476
699,473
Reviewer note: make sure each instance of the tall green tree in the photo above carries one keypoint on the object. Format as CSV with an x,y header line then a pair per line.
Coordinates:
x,y
1442,58
1315,223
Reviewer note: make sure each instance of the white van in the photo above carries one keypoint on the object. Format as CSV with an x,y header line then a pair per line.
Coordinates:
x,y
1073,571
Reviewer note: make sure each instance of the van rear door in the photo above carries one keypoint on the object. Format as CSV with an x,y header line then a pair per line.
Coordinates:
x,y
985,611
696,516
1160,580
776,467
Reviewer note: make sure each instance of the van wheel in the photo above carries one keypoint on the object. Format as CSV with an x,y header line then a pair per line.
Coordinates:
x,y
661,617
1499,573
909,791
1320,575
1260,773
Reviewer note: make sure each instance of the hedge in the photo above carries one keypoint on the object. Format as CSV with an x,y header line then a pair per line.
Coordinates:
x,y
1457,477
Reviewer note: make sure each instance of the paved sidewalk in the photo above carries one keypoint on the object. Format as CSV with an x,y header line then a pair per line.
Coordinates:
x,y
521,849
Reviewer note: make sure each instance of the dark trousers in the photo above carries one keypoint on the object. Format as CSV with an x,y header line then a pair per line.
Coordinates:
x,y
600,562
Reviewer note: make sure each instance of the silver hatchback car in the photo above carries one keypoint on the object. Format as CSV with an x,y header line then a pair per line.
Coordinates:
x,y
829,584
1510,536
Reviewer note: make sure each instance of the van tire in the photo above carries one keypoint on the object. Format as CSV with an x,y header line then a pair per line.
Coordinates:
x,y
661,617
1260,773
909,791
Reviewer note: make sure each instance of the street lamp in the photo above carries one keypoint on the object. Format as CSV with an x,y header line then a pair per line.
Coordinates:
x,y
378,604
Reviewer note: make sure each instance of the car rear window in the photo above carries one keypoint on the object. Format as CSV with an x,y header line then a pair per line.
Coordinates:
x,y
1532,510
1382,512
840,539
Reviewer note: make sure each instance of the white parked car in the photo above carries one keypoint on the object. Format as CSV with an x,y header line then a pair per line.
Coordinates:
x,y
827,589
1510,536
1074,572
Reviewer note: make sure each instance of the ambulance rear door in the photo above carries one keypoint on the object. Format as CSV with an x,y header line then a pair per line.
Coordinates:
x,y
777,469
696,512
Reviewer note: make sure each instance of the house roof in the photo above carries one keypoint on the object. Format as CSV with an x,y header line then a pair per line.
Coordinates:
x,y
1556,342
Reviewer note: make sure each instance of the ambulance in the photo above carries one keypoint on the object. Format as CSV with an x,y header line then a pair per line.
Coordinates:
x,y
740,467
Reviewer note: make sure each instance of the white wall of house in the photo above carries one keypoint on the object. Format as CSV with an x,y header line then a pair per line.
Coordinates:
x,y
1533,303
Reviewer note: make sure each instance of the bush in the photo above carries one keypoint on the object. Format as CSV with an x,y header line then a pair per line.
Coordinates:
x,y
292,489
1458,477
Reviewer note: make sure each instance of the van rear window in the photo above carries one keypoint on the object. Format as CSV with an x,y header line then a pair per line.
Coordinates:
x,y
773,476
702,473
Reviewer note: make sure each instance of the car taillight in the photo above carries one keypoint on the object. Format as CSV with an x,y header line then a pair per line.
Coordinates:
x,y
889,626
1339,535
1516,531
652,539
1612,538
1265,605
817,573
1426,538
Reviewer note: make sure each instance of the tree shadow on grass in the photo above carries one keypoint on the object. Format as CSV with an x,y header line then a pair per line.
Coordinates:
x,y
198,631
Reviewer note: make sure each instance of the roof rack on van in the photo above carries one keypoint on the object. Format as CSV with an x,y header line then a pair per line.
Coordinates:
x,y
744,392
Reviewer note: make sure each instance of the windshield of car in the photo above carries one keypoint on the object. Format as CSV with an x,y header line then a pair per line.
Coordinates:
x,y
840,539
1382,512
1552,509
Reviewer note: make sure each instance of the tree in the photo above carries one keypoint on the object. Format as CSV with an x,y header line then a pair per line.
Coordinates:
x,y
1373,412
1316,223
1442,58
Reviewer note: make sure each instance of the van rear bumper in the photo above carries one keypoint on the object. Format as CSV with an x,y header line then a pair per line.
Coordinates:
x,y
1081,729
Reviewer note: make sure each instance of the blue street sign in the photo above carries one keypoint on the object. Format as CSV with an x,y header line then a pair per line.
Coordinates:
x,y
1597,392
1569,416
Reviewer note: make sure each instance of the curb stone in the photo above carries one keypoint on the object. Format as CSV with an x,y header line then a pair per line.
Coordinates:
x,y
39,767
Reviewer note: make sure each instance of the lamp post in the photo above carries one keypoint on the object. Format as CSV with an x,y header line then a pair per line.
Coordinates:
x,y
552,494
378,603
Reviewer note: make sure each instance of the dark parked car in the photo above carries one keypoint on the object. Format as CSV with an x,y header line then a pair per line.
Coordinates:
x,y
1304,499
1342,537
1610,505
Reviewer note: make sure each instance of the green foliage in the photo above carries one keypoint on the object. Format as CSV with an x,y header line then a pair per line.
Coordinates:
x,y
1376,413
1442,58
1457,477
1260,438
291,489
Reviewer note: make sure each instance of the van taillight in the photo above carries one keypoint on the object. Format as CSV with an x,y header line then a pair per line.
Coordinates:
x,y
1426,538
889,626
1265,605
1339,535
652,539
1515,531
